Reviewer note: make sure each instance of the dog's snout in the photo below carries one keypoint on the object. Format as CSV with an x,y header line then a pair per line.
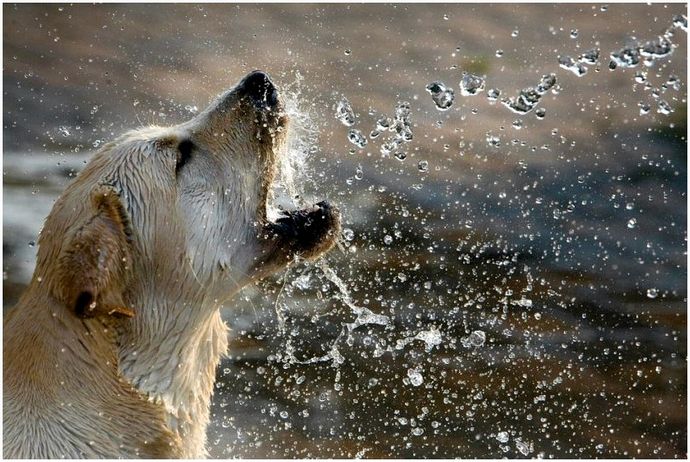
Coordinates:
x,y
257,85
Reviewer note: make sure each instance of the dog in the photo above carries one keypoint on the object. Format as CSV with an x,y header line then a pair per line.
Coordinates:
x,y
112,349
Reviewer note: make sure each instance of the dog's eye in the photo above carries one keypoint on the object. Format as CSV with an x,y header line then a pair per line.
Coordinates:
x,y
184,153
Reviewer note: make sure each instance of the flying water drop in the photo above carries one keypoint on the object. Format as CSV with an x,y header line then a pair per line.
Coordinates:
x,y
471,84
344,113
357,138
441,95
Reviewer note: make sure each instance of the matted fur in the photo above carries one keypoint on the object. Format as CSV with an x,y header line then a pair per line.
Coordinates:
x,y
112,350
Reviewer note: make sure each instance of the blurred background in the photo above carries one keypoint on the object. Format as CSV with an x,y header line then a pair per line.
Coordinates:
x,y
529,270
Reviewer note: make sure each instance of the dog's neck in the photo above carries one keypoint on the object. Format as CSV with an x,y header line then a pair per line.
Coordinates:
x,y
63,395
172,357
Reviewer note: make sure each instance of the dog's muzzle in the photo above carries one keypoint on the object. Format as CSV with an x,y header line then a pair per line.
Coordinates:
x,y
257,86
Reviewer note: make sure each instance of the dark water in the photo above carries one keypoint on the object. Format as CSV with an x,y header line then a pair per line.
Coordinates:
x,y
547,274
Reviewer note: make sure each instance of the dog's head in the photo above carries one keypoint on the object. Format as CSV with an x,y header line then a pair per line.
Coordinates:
x,y
180,212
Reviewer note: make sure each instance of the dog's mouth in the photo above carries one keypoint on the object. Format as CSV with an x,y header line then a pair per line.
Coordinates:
x,y
307,232
310,231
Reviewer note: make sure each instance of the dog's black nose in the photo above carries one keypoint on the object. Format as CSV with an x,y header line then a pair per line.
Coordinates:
x,y
258,86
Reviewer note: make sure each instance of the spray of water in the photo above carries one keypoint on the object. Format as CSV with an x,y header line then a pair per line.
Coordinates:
x,y
294,177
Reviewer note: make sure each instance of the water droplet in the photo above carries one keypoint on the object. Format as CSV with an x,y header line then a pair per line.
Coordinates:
x,y
441,95
502,437
574,33
569,64
493,140
471,84
303,282
517,124
528,98
388,147
515,33
357,138
477,338
423,166
540,113
625,57
344,113
431,337
589,56
359,173
348,52
546,83
499,53
632,223
493,94
401,155
348,234
388,239
655,49
680,21
652,293
416,378
524,448
673,82
383,123
664,108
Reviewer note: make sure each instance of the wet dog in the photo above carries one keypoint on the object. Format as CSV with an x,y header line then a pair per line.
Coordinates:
x,y
112,350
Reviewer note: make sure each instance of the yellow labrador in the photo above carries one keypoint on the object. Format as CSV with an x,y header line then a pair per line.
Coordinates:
x,y
112,350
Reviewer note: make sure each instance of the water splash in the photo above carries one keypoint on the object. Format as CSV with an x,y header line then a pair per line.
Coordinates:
x,y
293,166
431,338
292,178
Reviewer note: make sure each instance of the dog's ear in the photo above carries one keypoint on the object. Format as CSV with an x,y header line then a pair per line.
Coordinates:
x,y
96,262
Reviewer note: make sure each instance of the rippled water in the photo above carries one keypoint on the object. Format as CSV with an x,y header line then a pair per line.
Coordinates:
x,y
511,279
